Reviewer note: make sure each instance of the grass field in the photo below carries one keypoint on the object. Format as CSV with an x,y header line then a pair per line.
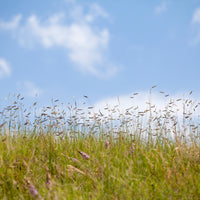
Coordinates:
x,y
81,154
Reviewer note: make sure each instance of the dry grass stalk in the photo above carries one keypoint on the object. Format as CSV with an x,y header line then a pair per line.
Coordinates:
x,y
72,169
48,182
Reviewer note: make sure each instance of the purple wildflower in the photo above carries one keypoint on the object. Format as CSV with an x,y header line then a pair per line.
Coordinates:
x,y
84,155
132,149
107,144
33,191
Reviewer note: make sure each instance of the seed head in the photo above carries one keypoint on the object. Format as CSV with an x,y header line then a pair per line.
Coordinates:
x,y
132,149
107,144
84,155
48,179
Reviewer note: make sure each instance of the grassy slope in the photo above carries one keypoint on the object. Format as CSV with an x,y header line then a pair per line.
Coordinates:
x,y
138,163
165,170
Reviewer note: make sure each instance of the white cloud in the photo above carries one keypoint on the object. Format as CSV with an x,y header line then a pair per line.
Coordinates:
x,y
196,16
196,26
161,8
125,101
29,89
158,102
78,33
95,11
5,69
11,25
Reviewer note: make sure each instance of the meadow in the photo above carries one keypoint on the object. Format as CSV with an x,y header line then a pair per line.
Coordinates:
x,y
76,152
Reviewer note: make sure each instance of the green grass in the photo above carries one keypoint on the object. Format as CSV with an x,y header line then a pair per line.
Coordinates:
x,y
134,155
151,171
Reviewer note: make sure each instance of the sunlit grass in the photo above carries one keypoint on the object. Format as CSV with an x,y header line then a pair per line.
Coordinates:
x,y
77,153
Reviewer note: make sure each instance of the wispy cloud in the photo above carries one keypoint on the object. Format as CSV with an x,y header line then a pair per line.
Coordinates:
x,y
196,26
77,32
5,69
96,11
11,25
161,8
196,16
29,89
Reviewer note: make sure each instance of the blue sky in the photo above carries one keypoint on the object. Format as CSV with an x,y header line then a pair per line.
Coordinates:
x,y
103,49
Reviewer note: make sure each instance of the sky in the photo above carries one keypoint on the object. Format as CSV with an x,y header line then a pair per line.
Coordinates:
x,y
103,49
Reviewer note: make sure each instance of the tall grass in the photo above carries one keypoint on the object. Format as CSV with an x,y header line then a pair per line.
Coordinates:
x,y
68,152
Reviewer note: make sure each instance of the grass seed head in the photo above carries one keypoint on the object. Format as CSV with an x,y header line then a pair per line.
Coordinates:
x,y
107,144
48,182
84,155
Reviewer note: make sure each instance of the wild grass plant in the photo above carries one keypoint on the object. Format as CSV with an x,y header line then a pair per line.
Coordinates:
x,y
66,152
